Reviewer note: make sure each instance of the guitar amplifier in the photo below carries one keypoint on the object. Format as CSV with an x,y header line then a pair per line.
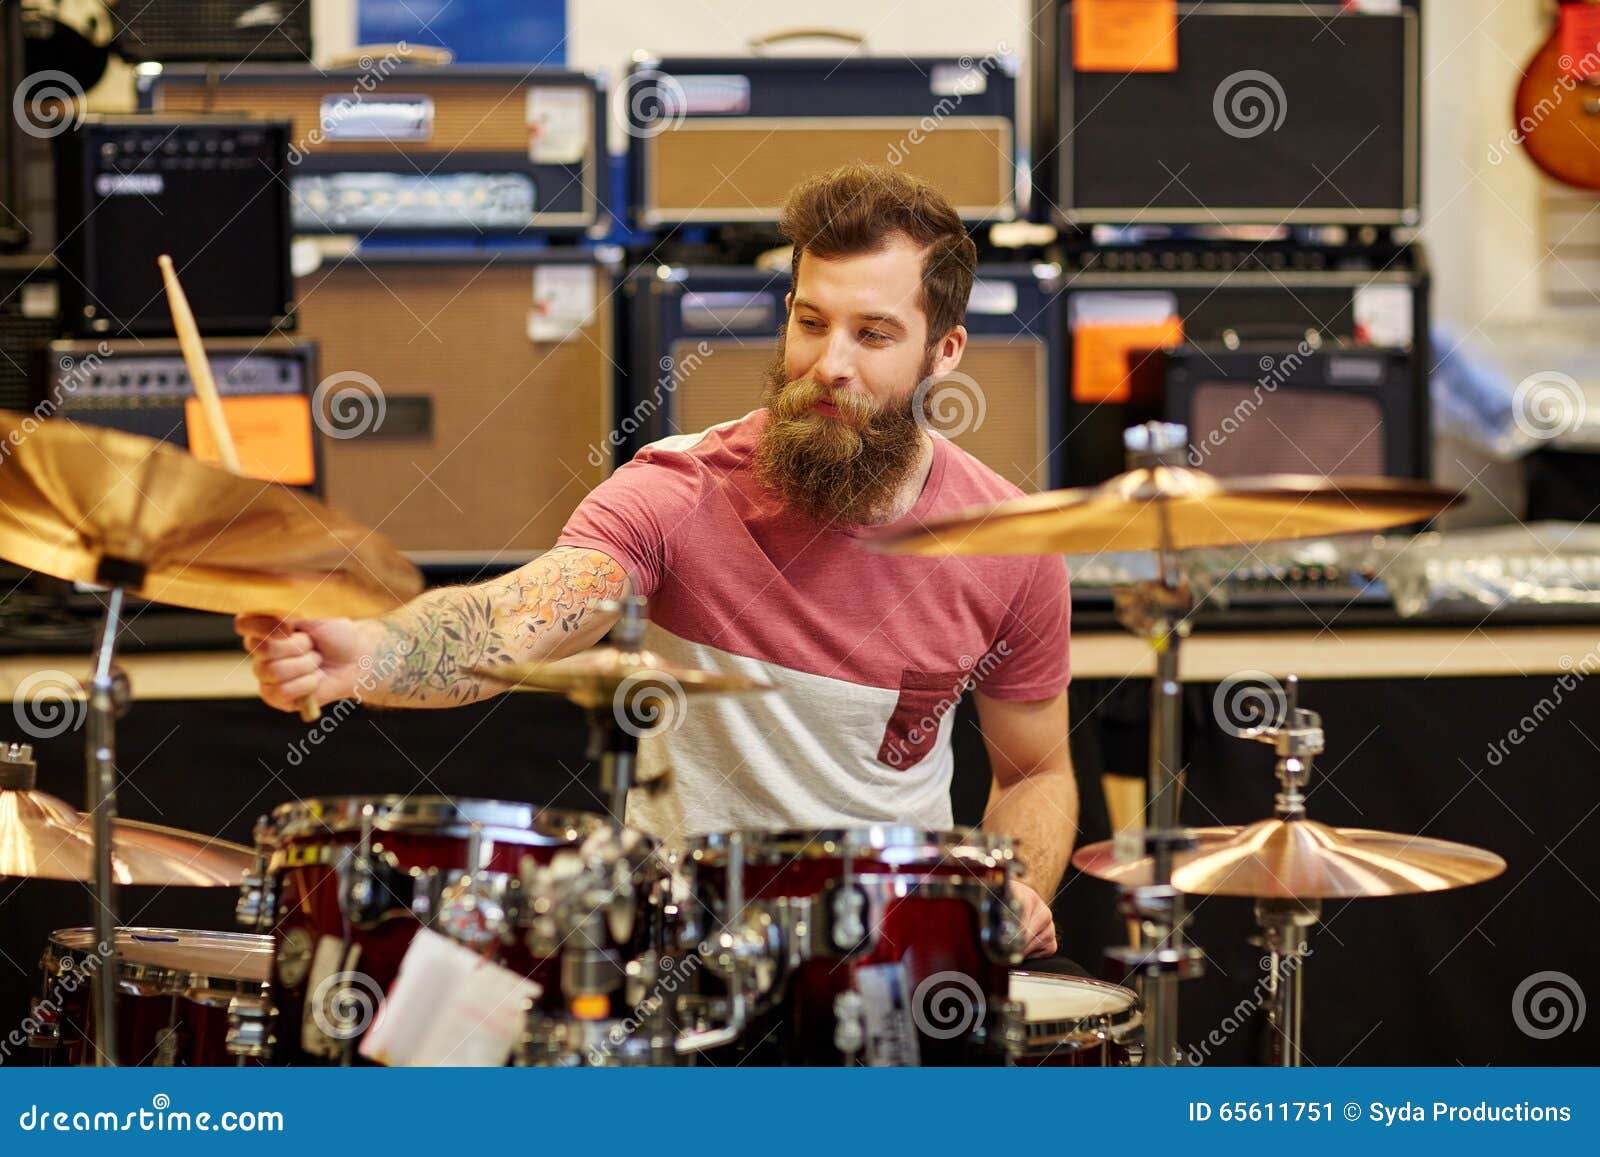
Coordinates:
x,y
209,191
701,339
467,394
214,30
1125,309
720,140
1270,408
28,323
143,387
1266,112
399,148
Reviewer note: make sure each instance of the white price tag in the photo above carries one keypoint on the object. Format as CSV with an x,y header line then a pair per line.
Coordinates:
x,y
558,125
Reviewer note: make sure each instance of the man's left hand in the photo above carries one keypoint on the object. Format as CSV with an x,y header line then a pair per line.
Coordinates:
x,y
1038,927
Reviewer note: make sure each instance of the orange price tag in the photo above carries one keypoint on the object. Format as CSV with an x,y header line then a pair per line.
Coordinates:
x,y
1102,356
1579,32
271,434
1125,35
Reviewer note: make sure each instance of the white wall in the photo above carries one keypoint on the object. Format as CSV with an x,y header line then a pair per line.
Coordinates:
x,y
1481,219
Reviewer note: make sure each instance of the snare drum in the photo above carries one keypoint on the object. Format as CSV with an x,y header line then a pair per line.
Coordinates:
x,y
174,988
344,883
1071,1020
884,945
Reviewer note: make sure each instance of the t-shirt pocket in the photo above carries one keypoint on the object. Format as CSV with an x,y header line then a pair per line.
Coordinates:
x,y
925,696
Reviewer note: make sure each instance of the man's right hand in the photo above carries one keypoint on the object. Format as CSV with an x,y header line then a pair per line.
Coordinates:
x,y
293,660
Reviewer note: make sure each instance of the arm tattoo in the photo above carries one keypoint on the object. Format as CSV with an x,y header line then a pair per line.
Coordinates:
x,y
431,642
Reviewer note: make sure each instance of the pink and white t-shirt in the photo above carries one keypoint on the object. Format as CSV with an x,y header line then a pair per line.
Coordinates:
x,y
870,651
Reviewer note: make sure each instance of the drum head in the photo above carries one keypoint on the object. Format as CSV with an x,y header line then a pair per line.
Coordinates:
x,y
1062,1006
180,951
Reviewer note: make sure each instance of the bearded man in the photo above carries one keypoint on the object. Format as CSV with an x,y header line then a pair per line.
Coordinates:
x,y
747,541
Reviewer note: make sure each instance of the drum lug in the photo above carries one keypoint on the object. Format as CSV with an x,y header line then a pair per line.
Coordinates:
x,y
1002,931
1011,1029
848,927
371,887
849,1023
46,1033
250,1027
255,906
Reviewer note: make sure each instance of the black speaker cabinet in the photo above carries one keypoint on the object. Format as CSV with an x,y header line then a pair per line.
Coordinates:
x,y
1359,316
212,192
1273,112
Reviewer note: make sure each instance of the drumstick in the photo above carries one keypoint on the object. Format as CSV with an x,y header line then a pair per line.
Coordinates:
x,y
194,356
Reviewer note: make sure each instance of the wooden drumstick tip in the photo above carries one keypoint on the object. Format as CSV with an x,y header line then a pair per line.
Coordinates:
x,y
309,711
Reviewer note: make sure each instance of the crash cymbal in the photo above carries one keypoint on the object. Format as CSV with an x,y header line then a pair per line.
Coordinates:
x,y
77,502
592,678
43,838
1173,505
1303,860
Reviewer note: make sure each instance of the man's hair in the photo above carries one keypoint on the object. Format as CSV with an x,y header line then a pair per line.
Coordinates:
x,y
859,208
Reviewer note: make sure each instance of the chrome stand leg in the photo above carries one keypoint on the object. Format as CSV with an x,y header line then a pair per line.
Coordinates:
x,y
102,797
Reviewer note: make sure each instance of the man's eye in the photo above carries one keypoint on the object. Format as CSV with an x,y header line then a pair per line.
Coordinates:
x,y
874,335
811,323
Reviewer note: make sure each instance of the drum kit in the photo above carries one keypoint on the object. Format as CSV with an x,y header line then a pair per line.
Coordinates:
x,y
382,928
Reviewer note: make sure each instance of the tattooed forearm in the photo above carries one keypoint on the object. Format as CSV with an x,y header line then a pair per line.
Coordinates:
x,y
542,611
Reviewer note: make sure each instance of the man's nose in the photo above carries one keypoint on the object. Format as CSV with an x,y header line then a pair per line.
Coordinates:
x,y
836,366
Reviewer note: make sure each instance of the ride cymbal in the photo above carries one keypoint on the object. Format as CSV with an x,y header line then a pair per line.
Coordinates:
x,y
1174,507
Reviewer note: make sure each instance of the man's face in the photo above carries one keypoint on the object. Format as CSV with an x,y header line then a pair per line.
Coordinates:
x,y
843,436
856,328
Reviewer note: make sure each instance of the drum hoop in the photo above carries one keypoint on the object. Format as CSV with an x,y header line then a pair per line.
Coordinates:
x,y
907,844
76,942
1073,1030
500,820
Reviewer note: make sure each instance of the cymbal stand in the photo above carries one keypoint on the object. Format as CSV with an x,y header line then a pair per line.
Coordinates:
x,y
108,699
1285,923
1157,611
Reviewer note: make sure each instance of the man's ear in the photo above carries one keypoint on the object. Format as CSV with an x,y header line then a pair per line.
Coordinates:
x,y
951,347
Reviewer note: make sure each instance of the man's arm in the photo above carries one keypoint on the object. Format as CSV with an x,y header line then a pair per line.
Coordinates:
x,y
419,654
1034,797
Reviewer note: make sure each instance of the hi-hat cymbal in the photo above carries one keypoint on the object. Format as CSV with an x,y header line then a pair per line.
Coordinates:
x,y
74,497
43,838
1303,860
1173,506
592,678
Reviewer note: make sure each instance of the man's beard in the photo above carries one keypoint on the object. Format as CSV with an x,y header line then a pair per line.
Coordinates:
x,y
844,470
